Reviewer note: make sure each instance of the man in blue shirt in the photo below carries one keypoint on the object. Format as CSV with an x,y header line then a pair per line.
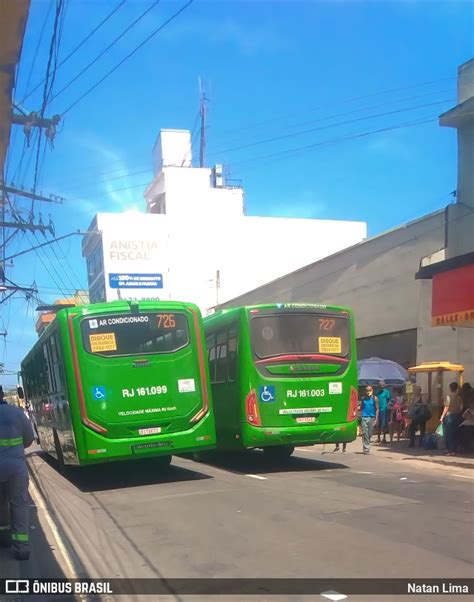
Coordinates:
x,y
369,406
384,396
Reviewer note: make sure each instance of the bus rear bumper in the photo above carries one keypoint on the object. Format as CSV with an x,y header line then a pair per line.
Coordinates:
x,y
99,449
262,436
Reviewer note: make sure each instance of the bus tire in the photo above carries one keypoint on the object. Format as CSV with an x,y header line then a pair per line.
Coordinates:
x,y
278,452
59,453
163,461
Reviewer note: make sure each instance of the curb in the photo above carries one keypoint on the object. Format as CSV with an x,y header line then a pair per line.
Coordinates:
x,y
63,543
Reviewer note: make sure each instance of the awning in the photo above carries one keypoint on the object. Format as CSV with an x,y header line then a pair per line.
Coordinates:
x,y
453,290
436,367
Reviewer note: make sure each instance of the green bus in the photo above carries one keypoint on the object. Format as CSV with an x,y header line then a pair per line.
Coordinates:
x,y
118,381
282,375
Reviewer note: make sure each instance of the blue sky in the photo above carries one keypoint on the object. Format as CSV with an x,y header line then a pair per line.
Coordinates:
x,y
273,70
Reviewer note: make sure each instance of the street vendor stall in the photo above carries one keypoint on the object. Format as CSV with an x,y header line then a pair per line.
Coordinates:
x,y
437,387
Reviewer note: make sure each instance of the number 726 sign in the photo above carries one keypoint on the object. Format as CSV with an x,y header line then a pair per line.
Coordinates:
x,y
166,321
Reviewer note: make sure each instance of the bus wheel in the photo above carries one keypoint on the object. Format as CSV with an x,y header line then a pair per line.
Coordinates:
x,y
59,453
163,461
278,452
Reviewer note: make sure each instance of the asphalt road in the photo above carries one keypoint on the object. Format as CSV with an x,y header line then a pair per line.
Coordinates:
x,y
319,515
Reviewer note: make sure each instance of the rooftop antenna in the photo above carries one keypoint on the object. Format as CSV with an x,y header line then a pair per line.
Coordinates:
x,y
203,113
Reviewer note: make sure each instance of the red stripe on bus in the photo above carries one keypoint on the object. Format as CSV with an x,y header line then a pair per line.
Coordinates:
x,y
202,369
293,358
77,374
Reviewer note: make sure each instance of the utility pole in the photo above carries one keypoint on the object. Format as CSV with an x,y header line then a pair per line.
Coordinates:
x,y
29,121
218,286
17,224
203,113
34,119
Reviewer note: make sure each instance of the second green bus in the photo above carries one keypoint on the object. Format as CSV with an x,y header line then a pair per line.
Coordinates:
x,y
282,375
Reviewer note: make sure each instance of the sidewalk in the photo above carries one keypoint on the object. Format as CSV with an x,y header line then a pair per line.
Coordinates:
x,y
435,456
45,561
400,452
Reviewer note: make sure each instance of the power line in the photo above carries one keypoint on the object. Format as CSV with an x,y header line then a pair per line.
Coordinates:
x,y
294,151
47,83
92,168
332,125
59,283
93,196
287,152
127,175
345,101
362,109
337,124
111,45
109,73
35,56
81,43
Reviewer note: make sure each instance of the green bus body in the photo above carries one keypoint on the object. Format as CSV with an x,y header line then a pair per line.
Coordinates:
x,y
117,381
282,375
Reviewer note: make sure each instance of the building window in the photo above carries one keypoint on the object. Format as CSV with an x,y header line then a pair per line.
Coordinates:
x,y
95,264
97,292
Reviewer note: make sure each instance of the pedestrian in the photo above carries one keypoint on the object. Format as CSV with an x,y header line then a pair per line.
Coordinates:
x,y
384,397
466,395
337,448
16,433
451,418
466,428
419,413
369,415
396,411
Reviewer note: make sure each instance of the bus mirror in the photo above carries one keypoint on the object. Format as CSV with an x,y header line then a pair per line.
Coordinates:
x,y
20,392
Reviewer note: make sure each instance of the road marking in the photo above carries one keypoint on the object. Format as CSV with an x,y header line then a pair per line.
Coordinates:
x,y
462,476
332,595
54,530
256,476
364,472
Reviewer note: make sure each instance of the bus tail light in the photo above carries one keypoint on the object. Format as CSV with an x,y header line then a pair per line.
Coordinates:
x,y
199,416
353,401
251,409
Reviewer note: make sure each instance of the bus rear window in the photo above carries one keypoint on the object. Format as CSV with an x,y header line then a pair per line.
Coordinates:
x,y
135,334
300,333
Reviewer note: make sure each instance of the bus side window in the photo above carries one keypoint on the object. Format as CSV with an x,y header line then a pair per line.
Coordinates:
x,y
55,367
221,356
43,371
211,356
232,354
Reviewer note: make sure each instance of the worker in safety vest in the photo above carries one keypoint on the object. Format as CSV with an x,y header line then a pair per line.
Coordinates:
x,y
16,433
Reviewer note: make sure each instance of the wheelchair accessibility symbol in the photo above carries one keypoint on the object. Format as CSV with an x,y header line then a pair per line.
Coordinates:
x,y
98,393
267,393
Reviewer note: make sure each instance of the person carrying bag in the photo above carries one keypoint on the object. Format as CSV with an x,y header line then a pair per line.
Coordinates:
x,y
419,413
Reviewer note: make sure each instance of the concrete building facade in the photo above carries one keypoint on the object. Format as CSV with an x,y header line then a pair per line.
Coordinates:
x,y
195,242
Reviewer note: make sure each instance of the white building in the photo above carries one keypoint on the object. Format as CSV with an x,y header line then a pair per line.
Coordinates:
x,y
195,242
